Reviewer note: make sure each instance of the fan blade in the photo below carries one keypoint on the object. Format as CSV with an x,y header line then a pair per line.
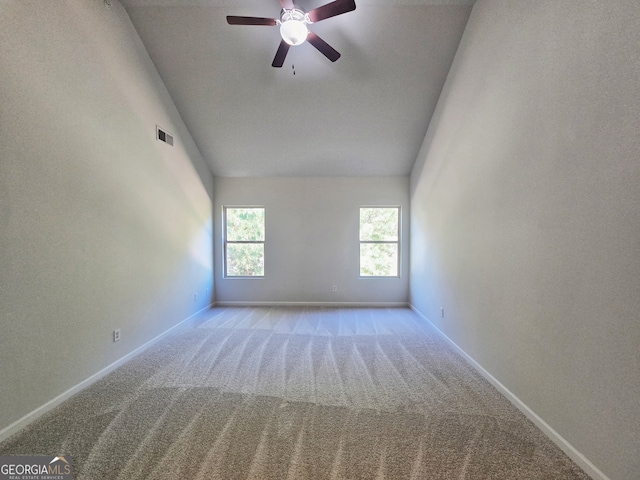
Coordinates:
x,y
324,48
287,4
281,54
231,20
332,9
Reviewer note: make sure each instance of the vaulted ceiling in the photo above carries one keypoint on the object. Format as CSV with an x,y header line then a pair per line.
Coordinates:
x,y
366,114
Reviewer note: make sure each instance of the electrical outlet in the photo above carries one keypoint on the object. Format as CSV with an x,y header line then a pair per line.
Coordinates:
x,y
195,297
334,288
116,335
442,312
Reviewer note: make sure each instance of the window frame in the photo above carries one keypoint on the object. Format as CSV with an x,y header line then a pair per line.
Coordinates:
x,y
226,242
397,242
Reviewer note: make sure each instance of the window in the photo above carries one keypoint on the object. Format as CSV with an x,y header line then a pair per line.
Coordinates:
x,y
379,241
244,241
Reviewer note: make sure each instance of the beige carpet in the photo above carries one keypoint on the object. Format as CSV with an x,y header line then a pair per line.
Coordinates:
x,y
296,393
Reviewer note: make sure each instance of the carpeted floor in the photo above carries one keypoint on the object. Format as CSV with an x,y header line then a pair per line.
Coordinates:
x,y
296,393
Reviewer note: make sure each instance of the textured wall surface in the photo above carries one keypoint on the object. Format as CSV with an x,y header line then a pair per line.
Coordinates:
x,y
312,238
101,226
525,218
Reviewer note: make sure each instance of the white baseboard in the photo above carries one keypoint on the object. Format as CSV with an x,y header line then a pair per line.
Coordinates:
x,y
310,304
582,461
21,423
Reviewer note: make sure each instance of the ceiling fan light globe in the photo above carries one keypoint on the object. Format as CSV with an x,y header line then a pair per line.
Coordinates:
x,y
293,32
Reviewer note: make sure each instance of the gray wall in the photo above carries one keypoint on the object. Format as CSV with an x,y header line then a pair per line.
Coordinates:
x,y
101,226
525,215
312,239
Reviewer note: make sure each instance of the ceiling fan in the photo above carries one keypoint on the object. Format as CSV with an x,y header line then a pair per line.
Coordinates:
x,y
293,23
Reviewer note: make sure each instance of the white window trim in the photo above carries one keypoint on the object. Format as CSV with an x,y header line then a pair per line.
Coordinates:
x,y
397,242
225,242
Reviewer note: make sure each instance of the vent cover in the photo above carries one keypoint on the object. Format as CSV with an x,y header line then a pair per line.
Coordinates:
x,y
164,136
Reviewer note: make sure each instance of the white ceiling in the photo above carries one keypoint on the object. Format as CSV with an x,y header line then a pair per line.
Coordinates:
x,y
365,114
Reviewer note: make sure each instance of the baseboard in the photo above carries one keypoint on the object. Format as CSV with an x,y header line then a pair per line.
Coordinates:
x,y
18,425
582,461
310,304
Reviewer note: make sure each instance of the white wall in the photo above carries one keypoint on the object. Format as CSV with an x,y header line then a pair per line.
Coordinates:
x,y
525,215
311,239
101,226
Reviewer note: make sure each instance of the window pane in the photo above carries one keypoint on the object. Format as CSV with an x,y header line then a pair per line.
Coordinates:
x,y
245,259
379,224
378,259
245,224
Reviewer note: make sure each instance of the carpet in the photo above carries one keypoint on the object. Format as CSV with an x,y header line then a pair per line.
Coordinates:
x,y
296,393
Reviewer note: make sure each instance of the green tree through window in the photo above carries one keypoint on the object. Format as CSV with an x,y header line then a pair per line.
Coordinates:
x,y
244,233
379,241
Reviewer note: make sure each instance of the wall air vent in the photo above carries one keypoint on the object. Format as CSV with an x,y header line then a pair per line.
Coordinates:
x,y
164,136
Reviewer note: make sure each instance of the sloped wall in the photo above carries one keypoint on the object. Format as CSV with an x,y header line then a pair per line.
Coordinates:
x,y
525,215
101,226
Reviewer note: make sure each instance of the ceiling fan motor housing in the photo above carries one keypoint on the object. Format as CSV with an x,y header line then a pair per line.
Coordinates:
x,y
293,25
